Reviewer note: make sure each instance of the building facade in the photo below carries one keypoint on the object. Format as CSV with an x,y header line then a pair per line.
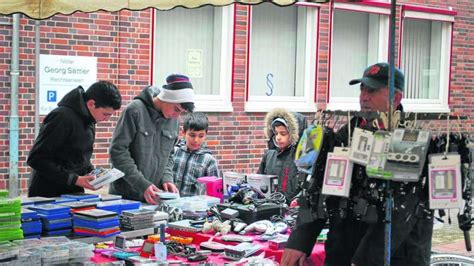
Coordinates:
x,y
246,60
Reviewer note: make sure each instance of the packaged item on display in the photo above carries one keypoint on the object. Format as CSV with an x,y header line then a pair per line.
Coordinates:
x,y
96,223
378,158
137,219
105,177
167,195
444,172
79,205
36,201
267,184
183,225
230,179
361,146
109,197
308,148
407,154
214,186
60,200
240,251
338,174
80,196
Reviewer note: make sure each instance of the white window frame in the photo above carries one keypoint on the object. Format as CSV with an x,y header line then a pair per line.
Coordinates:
x,y
352,103
442,103
305,103
222,71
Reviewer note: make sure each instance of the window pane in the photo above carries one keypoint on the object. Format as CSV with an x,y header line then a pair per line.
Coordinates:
x,y
421,54
277,51
355,46
188,41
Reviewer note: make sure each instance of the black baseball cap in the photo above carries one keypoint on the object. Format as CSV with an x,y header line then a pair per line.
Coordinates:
x,y
376,77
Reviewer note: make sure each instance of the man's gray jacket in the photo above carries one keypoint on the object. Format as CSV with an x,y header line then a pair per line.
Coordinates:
x,y
142,147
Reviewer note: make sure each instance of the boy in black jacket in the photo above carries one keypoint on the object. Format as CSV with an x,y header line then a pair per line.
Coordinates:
x,y
61,154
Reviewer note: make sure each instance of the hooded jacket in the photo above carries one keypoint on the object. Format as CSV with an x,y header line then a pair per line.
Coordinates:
x,y
188,166
281,162
142,147
63,149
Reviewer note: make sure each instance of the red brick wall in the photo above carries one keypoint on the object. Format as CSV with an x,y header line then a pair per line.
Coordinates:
x,y
121,42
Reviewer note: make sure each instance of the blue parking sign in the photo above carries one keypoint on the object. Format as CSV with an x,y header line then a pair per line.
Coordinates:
x,y
51,96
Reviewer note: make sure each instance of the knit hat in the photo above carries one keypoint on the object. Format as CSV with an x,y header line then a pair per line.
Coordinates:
x,y
178,89
280,120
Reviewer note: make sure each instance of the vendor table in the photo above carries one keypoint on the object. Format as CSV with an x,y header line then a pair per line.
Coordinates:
x,y
317,256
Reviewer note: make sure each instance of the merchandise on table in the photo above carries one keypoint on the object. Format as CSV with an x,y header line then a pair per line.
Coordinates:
x,y
96,222
55,218
10,219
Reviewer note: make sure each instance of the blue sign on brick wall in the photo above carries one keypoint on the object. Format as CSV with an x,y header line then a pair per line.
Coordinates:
x,y
52,96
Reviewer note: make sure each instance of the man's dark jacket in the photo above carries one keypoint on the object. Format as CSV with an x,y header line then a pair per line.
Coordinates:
x,y
63,149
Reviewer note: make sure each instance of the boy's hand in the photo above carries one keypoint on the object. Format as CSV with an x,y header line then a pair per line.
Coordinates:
x,y
83,181
170,187
150,195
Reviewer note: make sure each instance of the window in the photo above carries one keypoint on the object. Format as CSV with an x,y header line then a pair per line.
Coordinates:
x,y
359,39
425,60
282,58
197,43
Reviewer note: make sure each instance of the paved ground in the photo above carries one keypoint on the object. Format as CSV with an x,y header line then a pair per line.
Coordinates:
x,y
448,238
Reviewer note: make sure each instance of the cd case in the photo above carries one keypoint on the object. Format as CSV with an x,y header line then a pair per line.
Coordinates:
x,y
105,176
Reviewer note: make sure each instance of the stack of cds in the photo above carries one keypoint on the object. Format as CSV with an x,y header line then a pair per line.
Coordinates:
x,y
137,219
36,201
79,206
96,222
61,200
113,206
109,197
10,219
30,223
56,219
8,253
51,254
80,196
129,205
79,252
118,205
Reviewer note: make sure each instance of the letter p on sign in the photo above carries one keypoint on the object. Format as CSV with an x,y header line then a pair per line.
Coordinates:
x,y
51,96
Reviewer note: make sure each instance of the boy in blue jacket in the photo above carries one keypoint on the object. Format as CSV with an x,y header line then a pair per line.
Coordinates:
x,y
192,158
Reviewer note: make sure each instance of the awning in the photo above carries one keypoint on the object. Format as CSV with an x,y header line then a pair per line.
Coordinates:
x,y
41,9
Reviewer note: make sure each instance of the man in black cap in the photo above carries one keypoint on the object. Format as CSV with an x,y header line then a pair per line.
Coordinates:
x,y
143,140
354,239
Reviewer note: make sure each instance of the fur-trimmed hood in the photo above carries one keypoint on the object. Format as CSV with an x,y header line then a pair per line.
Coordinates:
x,y
290,120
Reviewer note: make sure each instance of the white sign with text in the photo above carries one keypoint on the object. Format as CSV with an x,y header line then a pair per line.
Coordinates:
x,y
60,74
